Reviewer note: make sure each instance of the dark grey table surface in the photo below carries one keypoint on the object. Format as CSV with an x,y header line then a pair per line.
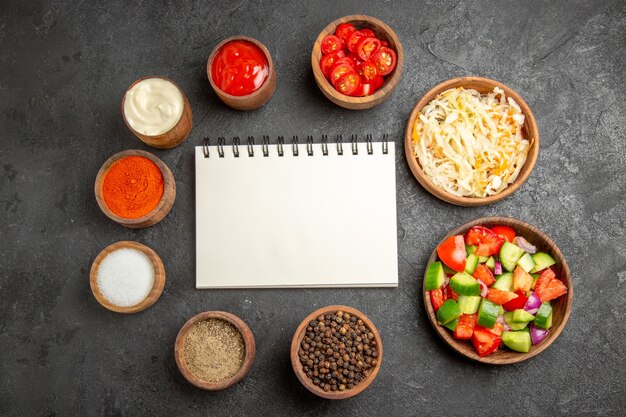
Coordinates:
x,y
64,66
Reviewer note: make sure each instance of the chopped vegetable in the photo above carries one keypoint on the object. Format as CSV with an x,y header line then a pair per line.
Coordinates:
x,y
521,279
452,253
548,287
448,311
516,303
465,327
488,242
485,341
484,274
537,335
523,243
500,297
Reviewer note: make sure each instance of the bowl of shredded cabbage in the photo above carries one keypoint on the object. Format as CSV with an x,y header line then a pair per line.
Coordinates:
x,y
471,141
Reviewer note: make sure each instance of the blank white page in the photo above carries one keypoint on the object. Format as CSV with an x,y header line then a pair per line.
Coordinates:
x,y
296,221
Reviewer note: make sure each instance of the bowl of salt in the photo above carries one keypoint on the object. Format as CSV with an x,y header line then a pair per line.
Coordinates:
x,y
127,277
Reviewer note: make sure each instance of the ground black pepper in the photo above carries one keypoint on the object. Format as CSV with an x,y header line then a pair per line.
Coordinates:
x,y
338,351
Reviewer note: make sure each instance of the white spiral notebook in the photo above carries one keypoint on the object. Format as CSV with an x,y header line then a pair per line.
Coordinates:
x,y
320,215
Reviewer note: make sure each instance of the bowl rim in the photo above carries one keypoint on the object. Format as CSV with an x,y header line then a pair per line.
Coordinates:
x,y
157,286
515,357
390,83
266,83
168,180
297,366
182,114
438,192
249,343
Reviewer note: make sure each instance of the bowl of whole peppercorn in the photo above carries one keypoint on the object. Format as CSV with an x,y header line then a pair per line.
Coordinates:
x,y
336,352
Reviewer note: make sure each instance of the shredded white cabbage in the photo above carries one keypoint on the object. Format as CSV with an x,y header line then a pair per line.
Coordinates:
x,y
471,144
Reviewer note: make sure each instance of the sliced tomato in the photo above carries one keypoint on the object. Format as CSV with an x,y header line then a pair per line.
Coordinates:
x,y
465,326
349,83
500,297
345,60
516,303
384,42
378,81
344,30
452,253
355,58
368,32
436,298
484,274
327,62
331,44
485,341
385,60
449,294
548,287
367,47
522,280
339,70
365,89
353,40
487,241
504,231
368,71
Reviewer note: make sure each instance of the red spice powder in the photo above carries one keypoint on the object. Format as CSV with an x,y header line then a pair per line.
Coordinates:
x,y
133,187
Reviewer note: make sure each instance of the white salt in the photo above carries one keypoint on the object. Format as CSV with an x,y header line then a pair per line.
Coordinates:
x,y
125,277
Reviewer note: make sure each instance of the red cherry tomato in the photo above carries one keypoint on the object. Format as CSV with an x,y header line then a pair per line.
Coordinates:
x,y
339,70
331,44
349,83
504,231
327,62
384,42
378,81
354,57
368,71
367,47
345,60
368,32
487,241
365,90
353,40
452,253
385,60
344,30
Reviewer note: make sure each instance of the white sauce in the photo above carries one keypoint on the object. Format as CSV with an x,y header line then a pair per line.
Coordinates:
x,y
125,277
153,106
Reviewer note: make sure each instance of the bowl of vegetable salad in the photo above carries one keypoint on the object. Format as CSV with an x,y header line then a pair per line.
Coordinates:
x,y
498,290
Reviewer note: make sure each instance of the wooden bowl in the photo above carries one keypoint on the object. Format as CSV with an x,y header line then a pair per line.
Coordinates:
x,y
248,339
159,212
157,287
561,306
483,86
297,366
383,32
257,98
172,137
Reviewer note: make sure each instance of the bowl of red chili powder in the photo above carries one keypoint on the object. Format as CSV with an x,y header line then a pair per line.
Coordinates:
x,y
135,189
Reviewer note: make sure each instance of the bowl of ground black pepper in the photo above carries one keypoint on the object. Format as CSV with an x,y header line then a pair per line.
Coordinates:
x,y
336,352
214,350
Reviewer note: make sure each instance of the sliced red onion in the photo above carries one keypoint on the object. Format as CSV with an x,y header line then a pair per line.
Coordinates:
x,y
532,311
483,288
497,270
537,335
524,244
533,303
446,281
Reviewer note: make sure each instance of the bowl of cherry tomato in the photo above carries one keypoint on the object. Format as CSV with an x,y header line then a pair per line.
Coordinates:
x,y
357,61
498,290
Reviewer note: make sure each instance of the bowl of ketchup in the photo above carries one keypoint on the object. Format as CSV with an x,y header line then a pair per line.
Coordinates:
x,y
241,72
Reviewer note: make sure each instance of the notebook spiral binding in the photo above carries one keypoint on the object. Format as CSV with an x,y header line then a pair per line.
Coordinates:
x,y
295,145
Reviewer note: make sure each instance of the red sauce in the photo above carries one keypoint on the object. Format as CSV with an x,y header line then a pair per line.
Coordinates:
x,y
239,68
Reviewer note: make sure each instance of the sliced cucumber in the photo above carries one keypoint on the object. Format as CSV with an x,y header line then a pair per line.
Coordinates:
x,y
452,325
526,262
469,249
522,316
504,282
509,255
464,284
471,263
447,312
482,259
508,317
491,263
469,303
434,276
542,261
543,318
518,341
488,313
535,278
448,270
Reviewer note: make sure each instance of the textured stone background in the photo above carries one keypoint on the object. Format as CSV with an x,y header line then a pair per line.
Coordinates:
x,y
64,66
